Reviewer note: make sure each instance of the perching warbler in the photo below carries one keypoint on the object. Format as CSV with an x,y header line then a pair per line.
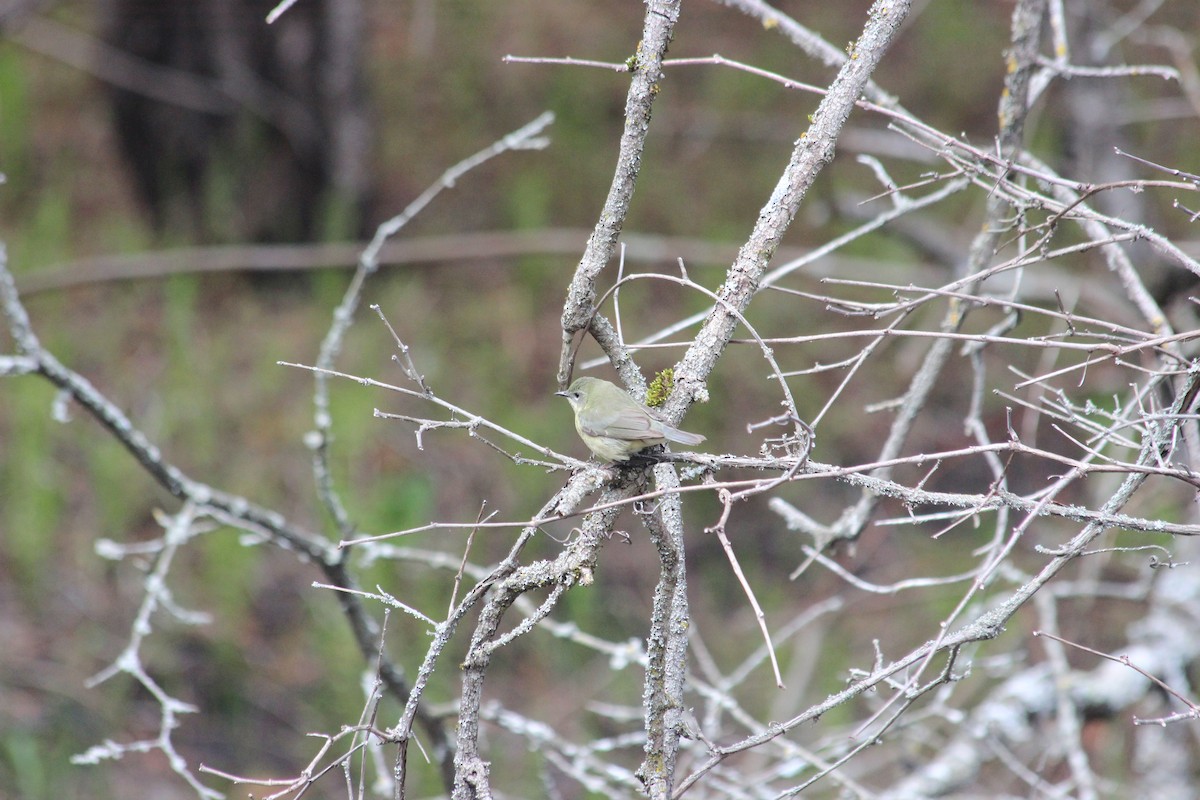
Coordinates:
x,y
613,425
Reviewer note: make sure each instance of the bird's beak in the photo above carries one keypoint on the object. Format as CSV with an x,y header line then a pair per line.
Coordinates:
x,y
560,394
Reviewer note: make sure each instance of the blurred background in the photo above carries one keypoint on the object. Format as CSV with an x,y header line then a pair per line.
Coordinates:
x,y
184,190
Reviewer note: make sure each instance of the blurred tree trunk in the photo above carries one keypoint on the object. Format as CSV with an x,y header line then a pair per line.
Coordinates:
x,y
280,149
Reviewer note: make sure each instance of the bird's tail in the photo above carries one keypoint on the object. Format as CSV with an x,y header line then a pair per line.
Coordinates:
x,y
682,437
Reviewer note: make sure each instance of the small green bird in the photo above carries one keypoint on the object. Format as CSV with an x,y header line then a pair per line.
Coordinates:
x,y
613,425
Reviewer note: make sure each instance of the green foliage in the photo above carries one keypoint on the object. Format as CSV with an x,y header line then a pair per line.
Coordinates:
x,y
118,485
225,568
33,773
397,502
338,220
660,388
528,200
221,198
34,484
15,125
30,774
45,238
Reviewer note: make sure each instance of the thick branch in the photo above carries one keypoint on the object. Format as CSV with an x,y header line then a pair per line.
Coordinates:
x,y
579,309
812,153
573,566
666,647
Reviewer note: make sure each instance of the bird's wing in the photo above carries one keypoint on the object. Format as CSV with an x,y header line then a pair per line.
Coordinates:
x,y
630,424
